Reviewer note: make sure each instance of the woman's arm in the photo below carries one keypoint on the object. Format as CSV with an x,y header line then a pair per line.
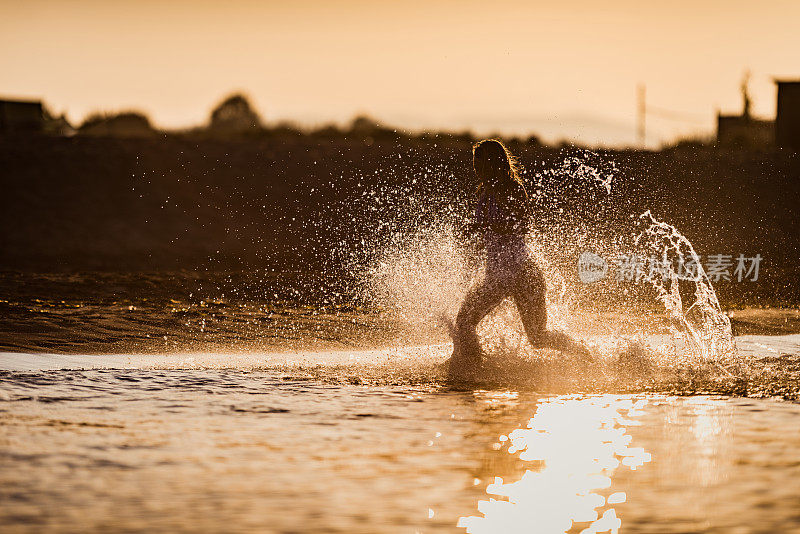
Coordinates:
x,y
479,222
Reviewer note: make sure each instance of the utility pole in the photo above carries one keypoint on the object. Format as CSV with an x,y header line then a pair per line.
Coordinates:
x,y
641,111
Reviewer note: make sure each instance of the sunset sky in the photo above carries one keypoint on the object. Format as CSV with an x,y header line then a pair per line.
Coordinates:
x,y
564,69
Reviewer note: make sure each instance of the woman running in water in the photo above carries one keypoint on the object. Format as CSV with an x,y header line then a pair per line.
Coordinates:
x,y
501,217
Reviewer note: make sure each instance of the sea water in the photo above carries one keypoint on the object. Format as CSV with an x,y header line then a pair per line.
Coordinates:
x,y
178,447
184,402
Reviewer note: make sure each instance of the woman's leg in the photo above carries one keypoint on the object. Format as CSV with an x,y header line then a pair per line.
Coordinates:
x,y
480,300
529,296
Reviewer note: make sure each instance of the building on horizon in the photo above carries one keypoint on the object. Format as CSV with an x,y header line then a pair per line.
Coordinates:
x,y
787,114
21,116
744,129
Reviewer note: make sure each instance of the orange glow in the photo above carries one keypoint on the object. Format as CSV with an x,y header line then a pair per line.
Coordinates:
x,y
564,69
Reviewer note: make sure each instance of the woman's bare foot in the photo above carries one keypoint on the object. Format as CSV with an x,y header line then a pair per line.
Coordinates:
x,y
463,366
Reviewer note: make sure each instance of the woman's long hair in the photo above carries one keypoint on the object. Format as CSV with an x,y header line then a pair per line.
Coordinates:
x,y
495,167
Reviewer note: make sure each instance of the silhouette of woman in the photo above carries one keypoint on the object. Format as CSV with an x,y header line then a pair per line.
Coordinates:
x,y
501,216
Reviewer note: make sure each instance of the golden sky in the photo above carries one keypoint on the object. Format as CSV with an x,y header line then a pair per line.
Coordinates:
x,y
565,69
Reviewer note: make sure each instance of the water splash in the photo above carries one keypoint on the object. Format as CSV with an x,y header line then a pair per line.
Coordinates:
x,y
424,270
421,276
700,322
583,165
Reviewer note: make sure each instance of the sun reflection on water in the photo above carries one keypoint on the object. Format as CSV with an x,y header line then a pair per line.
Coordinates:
x,y
573,445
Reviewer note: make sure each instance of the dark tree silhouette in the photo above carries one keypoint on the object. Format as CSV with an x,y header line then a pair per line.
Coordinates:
x,y
363,126
124,124
235,115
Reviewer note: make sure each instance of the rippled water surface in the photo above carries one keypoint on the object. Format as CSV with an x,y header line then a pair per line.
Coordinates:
x,y
214,404
266,451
